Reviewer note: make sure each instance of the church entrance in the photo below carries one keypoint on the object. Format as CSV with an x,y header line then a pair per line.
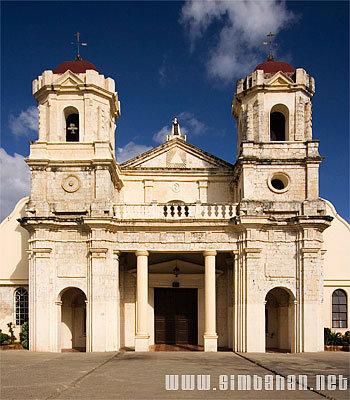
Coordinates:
x,y
175,319
73,320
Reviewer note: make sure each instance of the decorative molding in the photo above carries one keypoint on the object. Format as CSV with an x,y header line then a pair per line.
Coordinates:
x,y
14,282
311,250
98,252
40,252
253,250
335,283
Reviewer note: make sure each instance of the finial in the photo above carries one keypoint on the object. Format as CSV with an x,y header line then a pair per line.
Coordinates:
x,y
78,43
270,45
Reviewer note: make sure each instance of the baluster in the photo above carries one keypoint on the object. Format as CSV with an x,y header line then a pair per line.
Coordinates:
x,y
223,211
172,210
216,210
179,211
186,211
165,211
209,210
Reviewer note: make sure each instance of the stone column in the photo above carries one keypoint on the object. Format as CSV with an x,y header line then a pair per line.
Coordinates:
x,y
210,335
142,334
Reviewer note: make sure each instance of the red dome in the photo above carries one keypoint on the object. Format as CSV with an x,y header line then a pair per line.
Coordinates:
x,y
76,66
272,66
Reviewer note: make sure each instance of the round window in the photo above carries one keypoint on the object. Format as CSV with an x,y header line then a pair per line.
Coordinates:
x,y
279,182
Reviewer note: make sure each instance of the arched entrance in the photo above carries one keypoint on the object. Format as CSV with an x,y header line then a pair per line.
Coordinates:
x,y
279,320
73,320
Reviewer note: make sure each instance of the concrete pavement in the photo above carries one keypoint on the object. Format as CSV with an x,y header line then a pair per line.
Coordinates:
x,y
139,376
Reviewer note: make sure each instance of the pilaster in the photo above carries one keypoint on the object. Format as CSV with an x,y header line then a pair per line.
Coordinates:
x,y
40,311
103,300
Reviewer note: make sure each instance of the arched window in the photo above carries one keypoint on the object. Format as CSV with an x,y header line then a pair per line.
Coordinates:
x,y
339,309
71,116
279,123
21,300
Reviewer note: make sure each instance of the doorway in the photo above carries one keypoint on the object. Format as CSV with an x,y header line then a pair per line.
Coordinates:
x,y
279,321
73,320
176,316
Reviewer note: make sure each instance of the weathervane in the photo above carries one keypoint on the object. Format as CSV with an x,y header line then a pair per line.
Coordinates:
x,y
78,43
270,44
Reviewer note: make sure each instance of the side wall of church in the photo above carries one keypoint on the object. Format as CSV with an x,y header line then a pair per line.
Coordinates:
x,y
337,265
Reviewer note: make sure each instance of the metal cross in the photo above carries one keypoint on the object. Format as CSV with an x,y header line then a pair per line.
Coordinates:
x,y
78,43
72,128
270,45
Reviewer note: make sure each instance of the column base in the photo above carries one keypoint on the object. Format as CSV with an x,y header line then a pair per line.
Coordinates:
x,y
142,343
210,342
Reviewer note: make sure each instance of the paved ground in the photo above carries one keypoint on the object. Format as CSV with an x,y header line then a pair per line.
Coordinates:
x,y
141,376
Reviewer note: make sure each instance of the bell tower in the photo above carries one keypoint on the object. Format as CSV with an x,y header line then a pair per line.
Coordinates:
x,y
73,163
280,216
277,157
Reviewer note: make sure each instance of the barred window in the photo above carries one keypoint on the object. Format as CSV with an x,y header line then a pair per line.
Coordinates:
x,y
339,309
21,298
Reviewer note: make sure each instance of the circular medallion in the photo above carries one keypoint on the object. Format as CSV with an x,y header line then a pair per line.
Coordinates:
x,y
176,187
71,184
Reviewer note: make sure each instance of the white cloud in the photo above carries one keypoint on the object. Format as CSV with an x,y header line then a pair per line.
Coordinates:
x,y
130,150
25,122
189,124
15,181
160,136
244,25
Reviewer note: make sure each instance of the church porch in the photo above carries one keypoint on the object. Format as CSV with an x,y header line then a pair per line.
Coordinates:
x,y
176,300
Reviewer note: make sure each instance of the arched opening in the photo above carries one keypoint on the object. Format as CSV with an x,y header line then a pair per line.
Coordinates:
x,y
73,320
279,123
279,320
71,116
339,309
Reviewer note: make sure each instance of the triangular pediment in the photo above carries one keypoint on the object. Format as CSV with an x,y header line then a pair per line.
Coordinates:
x,y
176,154
279,79
69,79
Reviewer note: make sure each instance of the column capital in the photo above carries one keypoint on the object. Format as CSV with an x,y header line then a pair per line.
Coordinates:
x,y
207,253
141,253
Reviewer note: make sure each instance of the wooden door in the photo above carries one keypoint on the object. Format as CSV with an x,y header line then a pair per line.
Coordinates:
x,y
175,320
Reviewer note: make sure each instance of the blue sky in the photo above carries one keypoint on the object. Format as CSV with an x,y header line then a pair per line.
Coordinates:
x,y
176,58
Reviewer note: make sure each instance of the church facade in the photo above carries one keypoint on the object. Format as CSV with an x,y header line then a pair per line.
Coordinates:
x,y
175,246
